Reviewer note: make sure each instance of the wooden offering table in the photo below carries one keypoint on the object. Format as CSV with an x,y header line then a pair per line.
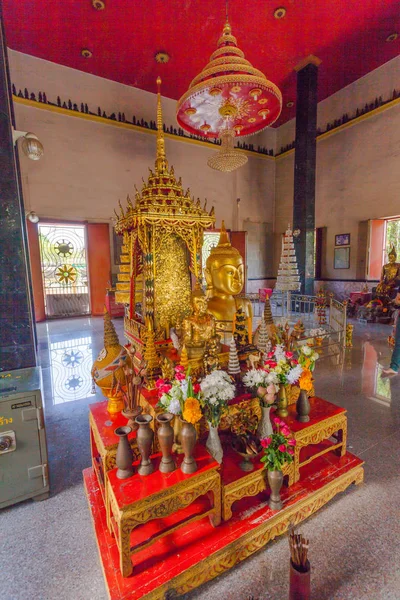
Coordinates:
x,y
313,438
104,442
238,484
161,503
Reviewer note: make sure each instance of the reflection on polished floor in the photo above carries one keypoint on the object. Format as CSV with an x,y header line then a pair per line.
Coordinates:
x,y
48,550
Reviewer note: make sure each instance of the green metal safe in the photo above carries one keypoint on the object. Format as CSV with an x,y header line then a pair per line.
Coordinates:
x,y
23,451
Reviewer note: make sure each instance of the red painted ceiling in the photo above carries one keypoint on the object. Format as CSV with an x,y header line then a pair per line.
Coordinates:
x,y
348,36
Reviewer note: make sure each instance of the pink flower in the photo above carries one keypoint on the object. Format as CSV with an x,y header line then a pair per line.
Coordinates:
x,y
180,376
271,389
271,364
282,447
160,383
294,362
269,398
292,442
290,451
277,421
270,354
285,431
261,391
179,369
266,442
289,355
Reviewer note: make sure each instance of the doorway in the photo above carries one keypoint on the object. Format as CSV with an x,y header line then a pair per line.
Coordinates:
x,y
63,255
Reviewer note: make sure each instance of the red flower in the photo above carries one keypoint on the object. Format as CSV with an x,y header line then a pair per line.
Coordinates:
x,y
285,431
289,355
266,442
282,447
294,362
271,364
164,389
160,382
179,369
180,376
292,442
290,451
270,354
277,421
196,388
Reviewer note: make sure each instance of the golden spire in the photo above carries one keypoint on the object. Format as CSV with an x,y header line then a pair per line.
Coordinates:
x,y
110,335
161,161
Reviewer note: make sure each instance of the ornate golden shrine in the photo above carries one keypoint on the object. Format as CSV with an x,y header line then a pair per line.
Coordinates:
x,y
163,236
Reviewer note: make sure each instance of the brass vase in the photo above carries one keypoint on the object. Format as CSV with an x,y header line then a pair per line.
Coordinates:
x,y
188,441
165,435
275,480
300,584
115,404
131,414
144,439
124,457
303,407
282,410
177,447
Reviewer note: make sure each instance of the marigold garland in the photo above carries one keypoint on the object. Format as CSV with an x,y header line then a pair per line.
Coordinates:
x,y
192,411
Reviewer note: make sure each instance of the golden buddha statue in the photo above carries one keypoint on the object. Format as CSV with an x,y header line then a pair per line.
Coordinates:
x,y
390,276
199,328
224,275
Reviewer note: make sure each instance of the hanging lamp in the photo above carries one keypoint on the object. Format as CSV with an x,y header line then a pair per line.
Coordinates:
x,y
229,95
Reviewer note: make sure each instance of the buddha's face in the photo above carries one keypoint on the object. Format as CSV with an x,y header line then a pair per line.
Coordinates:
x,y
199,304
392,258
228,278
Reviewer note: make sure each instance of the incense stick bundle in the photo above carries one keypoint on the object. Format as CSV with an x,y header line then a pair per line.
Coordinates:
x,y
298,551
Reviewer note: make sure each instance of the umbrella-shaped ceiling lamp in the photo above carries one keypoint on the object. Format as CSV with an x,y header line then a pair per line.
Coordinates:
x,y
229,98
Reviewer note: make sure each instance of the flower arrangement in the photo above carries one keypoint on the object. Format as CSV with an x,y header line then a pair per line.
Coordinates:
x,y
180,396
278,447
216,389
307,357
263,383
284,365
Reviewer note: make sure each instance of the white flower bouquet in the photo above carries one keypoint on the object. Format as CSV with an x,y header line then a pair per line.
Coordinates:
x,y
216,389
284,365
263,383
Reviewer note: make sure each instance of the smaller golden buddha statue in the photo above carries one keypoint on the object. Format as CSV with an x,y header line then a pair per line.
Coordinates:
x,y
224,275
199,328
210,358
390,277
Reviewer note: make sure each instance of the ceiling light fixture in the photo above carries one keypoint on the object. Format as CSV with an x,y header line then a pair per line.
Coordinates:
x,y
86,53
32,217
162,57
280,13
223,101
392,37
98,4
290,104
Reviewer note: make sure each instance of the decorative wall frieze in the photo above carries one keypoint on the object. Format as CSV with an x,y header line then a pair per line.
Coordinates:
x,y
81,108
373,107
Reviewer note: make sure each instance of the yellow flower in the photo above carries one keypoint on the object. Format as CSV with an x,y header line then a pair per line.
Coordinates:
x,y
305,381
192,412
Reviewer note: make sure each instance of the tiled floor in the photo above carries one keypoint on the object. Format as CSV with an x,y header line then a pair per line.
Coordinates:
x,y
48,550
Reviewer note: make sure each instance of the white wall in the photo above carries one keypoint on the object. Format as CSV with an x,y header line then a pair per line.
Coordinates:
x,y
88,166
358,168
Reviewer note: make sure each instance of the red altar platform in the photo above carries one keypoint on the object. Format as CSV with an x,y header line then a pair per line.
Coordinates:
x,y
164,519
199,552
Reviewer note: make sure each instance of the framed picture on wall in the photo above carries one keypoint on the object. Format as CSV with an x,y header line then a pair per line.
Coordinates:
x,y
343,239
341,258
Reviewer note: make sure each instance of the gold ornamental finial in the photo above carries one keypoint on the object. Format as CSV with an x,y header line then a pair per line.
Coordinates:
x,y
223,238
161,161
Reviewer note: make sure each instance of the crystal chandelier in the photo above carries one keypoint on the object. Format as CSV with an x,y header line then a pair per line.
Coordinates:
x,y
227,158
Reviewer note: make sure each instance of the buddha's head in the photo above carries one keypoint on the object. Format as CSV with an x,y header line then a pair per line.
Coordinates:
x,y
224,270
392,255
199,301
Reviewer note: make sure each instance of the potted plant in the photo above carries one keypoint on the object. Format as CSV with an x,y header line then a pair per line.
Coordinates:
x,y
181,398
265,386
278,450
307,358
216,389
285,366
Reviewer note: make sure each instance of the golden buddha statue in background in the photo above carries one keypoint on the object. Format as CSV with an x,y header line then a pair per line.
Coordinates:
x,y
390,276
224,274
199,328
